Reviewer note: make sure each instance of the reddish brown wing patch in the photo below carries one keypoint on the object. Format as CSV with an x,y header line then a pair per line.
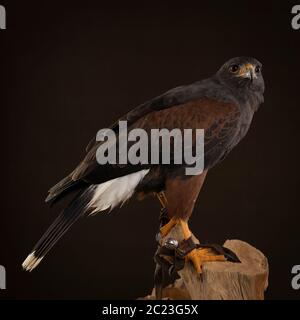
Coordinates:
x,y
199,114
214,116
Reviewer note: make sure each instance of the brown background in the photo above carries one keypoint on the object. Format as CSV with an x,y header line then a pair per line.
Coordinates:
x,y
68,70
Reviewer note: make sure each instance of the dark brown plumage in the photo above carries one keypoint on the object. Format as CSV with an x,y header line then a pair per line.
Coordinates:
x,y
222,105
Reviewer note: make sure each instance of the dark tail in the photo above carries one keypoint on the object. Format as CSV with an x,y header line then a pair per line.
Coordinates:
x,y
59,227
63,188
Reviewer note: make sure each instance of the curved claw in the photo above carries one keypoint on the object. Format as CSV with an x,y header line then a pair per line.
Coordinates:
x,y
227,253
230,255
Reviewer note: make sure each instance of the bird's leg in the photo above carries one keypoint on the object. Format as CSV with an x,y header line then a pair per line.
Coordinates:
x,y
162,199
198,256
166,228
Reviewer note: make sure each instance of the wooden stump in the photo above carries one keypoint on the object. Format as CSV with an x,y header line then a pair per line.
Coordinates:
x,y
247,280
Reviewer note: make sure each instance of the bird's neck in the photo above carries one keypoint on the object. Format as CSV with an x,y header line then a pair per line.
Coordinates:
x,y
252,98
245,96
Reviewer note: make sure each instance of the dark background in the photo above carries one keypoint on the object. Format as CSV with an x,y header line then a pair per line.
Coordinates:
x,y
68,70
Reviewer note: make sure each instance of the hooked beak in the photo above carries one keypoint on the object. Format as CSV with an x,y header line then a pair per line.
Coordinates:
x,y
247,71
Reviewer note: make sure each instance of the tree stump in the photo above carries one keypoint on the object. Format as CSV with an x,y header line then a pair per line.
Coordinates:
x,y
247,280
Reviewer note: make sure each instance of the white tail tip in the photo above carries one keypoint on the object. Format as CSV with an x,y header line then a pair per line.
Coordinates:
x,y
31,262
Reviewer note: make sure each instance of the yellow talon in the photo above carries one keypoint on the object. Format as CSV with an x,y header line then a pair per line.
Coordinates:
x,y
167,227
196,256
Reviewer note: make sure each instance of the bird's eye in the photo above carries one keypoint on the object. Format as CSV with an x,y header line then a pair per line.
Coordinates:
x,y
257,69
234,68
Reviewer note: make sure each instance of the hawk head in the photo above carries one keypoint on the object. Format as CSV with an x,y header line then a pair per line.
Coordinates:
x,y
242,72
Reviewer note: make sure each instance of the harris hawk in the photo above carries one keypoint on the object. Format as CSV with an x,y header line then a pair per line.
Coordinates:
x,y
223,105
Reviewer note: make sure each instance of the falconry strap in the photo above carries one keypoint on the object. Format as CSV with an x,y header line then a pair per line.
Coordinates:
x,y
170,256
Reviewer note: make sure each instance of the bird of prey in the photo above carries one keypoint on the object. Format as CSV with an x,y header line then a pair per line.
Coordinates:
x,y
223,105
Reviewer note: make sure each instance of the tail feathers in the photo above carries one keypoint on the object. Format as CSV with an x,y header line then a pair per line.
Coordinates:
x,y
62,188
90,200
113,193
31,262
59,227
